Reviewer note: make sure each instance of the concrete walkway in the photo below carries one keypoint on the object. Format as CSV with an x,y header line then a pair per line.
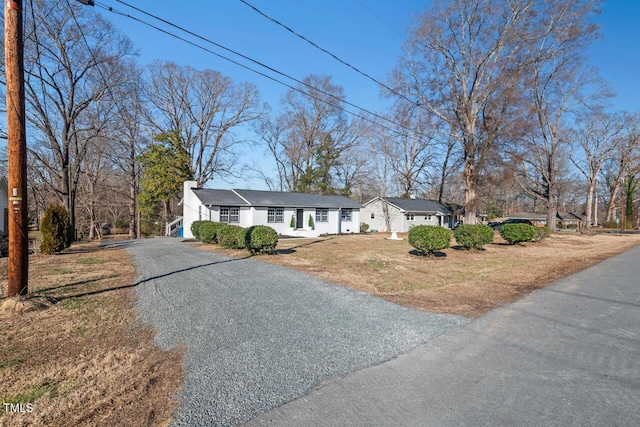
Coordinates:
x,y
566,355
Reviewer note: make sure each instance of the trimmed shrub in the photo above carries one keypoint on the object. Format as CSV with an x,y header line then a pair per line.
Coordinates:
x,y
263,240
292,223
244,237
517,233
364,227
427,238
473,236
195,228
228,235
610,224
541,233
55,230
207,231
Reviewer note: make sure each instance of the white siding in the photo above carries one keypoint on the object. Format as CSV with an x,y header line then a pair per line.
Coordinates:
x,y
191,208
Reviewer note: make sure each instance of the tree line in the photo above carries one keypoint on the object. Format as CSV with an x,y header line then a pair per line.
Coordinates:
x,y
494,106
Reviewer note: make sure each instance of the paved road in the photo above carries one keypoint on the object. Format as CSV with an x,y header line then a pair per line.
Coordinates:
x,y
257,335
566,355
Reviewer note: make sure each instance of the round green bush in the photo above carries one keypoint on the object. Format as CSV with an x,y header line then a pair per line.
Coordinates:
x,y
364,227
195,228
517,233
55,230
473,236
263,239
207,231
227,236
541,233
427,238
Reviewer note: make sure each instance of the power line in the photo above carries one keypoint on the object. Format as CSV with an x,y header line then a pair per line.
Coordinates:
x,y
340,100
275,21
381,19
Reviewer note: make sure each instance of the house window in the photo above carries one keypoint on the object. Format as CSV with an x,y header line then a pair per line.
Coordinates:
x,y
275,215
230,215
410,217
322,215
346,214
372,215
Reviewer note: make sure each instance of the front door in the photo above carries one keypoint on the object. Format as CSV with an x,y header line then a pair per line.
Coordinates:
x,y
299,218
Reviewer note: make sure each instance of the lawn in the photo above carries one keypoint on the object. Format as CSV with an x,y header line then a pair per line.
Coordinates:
x,y
455,281
87,359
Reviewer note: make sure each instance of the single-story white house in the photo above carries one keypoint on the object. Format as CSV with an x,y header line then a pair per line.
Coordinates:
x,y
405,213
290,214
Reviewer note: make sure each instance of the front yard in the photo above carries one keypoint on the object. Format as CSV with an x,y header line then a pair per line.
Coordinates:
x,y
468,283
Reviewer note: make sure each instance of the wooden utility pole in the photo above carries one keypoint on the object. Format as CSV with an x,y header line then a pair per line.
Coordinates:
x,y
17,150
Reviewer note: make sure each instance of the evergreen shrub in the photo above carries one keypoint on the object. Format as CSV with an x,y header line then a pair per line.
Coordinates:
x,y
263,239
228,236
55,230
207,231
541,233
473,236
195,228
517,233
427,238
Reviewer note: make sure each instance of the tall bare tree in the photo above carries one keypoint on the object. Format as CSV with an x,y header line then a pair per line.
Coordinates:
x,y
463,63
205,108
311,136
69,51
554,86
595,141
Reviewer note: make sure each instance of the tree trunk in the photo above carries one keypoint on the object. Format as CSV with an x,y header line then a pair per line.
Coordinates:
x,y
590,191
469,192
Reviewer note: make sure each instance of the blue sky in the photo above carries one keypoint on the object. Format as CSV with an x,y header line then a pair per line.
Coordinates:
x,y
362,32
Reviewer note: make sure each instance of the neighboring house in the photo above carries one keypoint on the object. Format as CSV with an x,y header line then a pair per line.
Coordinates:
x,y
310,214
405,213
563,219
538,219
4,212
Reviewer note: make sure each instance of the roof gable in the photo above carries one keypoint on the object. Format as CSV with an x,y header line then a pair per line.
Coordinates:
x,y
417,205
210,197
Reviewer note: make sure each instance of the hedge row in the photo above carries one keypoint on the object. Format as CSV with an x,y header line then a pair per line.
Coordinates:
x,y
256,239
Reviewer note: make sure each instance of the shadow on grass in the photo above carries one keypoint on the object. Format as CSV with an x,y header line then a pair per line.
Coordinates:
x,y
292,249
436,254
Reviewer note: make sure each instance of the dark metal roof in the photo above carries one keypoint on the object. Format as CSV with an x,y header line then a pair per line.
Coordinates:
x,y
297,200
210,197
419,205
237,197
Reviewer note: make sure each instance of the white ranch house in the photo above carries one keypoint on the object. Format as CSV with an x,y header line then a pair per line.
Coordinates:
x,y
405,213
311,214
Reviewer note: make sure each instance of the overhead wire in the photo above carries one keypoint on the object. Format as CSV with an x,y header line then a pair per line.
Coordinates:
x,y
334,56
297,89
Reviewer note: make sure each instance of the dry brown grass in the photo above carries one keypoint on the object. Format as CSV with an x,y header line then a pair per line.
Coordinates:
x,y
467,283
86,359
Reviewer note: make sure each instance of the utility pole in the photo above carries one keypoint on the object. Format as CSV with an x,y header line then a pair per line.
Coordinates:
x,y
17,150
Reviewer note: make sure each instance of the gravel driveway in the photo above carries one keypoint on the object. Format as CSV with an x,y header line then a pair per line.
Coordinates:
x,y
257,335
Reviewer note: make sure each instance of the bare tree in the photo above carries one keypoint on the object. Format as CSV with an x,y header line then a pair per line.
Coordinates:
x,y
410,153
463,62
554,86
624,161
596,138
310,139
68,53
205,108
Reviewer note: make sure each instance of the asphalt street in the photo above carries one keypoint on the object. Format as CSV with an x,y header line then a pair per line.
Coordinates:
x,y
566,355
